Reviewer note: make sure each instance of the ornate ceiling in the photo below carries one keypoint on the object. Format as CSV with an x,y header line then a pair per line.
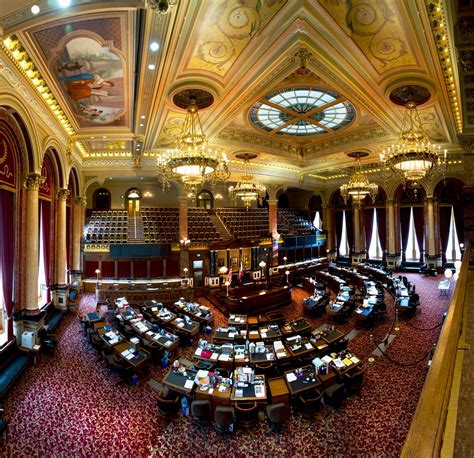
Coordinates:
x,y
114,68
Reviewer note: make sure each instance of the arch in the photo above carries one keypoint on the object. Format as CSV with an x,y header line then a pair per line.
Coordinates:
x,y
283,200
31,159
73,182
405,195
101,199
205,199
60,179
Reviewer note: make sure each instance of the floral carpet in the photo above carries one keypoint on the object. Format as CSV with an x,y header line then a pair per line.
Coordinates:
x,y
67,404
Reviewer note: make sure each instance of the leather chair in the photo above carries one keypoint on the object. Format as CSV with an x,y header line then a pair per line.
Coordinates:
x,y
277,414
224,418
309,403
335,395
247,415
168,404
201,412
354,381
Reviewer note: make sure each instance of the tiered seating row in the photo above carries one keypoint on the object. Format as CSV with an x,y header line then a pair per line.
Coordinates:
x,y
293,223
160,225
200,226
245,224
108,227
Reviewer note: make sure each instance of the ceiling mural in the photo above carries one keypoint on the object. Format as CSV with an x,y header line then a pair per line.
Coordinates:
x,y
226,31
375,28
87,60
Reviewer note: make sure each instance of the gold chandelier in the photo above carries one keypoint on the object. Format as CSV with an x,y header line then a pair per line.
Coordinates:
x,y
358,187
192,161
413,157
247,190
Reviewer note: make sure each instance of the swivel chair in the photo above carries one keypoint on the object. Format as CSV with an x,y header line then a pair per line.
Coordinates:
x,y
277,414
224,418
201,412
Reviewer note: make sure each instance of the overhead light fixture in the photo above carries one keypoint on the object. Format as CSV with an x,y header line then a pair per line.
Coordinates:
x,y
154,46
247,190
358,187
151,66
64,3
35,9
192,161
163,6
413,156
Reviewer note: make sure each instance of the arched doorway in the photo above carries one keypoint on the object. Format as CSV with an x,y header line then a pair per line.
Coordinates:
x,y
205,199
101,199
132,200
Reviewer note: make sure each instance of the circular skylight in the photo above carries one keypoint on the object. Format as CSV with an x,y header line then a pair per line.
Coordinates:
x,y
302,111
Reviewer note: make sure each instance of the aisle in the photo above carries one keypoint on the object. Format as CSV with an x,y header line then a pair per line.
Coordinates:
x,y
67,404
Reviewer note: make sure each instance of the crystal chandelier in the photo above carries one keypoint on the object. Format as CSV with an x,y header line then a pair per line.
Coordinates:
x,y
413,157
192,161
358,187
247,190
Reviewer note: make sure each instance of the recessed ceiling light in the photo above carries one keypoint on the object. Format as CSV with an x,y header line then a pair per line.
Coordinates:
x,y
141,125
151,66
104,136
92,137
154,46
64,3
35,9
142,117
110,178
141,178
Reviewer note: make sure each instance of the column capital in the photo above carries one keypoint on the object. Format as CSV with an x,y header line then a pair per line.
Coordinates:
x,y
33,181
183,199
62,194
80,201
389,200
272,201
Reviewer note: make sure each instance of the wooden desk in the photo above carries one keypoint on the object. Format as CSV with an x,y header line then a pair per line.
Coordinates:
x,y
305,348
216,397
270,332
93,317
333,336
177,381
279,391
99,325
140,357
267,357
237,320
307,381
111,342
249,390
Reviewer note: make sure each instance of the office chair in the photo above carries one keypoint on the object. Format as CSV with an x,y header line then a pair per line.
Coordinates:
x,y
201,411
354,381
335,395
168,404
224,418
277,414
247,415
309,403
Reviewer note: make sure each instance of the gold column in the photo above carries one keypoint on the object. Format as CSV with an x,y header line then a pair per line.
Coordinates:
x,y
356,213
61,236
183,217
77,228
391,227
431,227
32,184
272,216
328,227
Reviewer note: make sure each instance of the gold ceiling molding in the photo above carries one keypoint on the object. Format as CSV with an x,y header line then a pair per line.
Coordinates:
x,y
15,51
439,30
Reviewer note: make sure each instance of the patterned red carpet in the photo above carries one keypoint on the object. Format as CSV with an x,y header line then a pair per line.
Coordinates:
x,y
67,404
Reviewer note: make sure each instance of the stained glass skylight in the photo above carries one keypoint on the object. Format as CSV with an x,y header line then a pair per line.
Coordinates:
x,y
302,111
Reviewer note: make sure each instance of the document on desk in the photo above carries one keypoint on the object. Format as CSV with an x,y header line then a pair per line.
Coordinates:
x,y
168,343
259,391
130,356
189,384
291,377
239,393
308,346
113,341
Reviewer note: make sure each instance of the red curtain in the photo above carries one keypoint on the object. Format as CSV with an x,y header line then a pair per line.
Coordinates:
x,y
405,227
7,252
172,267
381,226
124,269
140,269
368,225
108,269
156,268
45,208
444,220
90,268
418,218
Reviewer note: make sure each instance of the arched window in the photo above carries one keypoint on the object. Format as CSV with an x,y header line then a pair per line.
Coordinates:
x,y
205,199
318,222
412,252
453,252
375,247
101,199
344,244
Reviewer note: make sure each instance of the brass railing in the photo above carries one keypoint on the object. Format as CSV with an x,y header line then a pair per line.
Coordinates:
x,y
426,431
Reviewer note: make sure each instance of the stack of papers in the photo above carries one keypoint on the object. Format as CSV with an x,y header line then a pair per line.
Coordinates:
x,y
291,377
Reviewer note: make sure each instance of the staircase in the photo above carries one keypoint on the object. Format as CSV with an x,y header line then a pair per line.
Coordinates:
x,y
219,225
135,228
